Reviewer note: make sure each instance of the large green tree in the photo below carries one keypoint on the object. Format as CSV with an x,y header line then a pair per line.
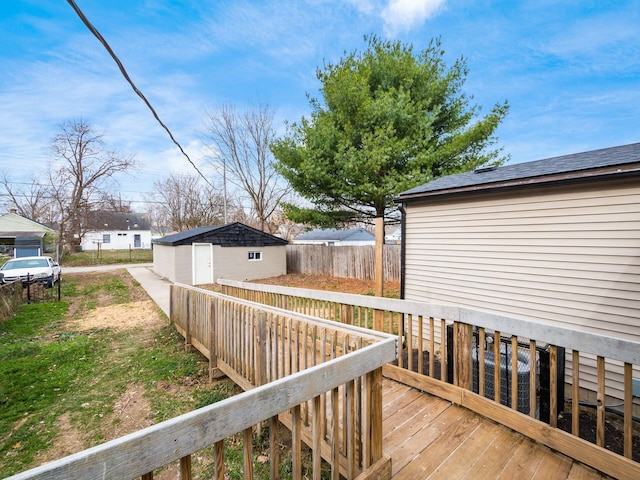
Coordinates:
x,y
390,120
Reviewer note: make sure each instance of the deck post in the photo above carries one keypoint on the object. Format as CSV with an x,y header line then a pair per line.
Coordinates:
x,y
464,359
374,400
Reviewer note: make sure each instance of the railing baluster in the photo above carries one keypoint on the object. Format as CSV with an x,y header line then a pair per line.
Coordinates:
x,y
514,372
497,381
454,354
553,386
274,456
218,460
532,379
600,399
575,393
432,347
350,415
443,350
481,350
409,337
296,443
628,410
401,347
185,468
247,450
335,435
420,344
316,432
345,405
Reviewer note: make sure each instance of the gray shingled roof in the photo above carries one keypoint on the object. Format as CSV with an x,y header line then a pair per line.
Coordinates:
x,y
606,157
185,235
104,220
234,234
335,235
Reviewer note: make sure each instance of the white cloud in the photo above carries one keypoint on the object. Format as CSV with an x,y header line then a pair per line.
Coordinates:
x,y
403,15
364,6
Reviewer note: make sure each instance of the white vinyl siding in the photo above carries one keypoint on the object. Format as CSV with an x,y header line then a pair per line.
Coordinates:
x,y
567,255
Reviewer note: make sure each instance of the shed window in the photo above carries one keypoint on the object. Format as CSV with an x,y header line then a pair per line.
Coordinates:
x,y
106,238
254,256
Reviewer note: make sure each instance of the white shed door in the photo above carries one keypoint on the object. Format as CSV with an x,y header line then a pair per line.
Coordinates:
x,y
202,263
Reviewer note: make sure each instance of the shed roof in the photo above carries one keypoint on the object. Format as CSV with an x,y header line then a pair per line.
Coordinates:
x,y
335,235
595,164
230,235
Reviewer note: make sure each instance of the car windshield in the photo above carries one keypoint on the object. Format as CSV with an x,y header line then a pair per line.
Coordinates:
x,y
26,263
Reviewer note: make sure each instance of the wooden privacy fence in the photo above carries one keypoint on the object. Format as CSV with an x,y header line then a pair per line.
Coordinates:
x,y
332,400
343,261
451,352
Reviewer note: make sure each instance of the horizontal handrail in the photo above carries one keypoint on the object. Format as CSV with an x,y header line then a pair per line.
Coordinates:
x,y
620,349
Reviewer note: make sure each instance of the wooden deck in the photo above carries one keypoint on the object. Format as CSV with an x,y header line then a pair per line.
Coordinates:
x,y
427,437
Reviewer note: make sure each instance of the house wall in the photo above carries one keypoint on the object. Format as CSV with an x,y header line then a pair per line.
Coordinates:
x,y
232,262
173,263
564,255
119,239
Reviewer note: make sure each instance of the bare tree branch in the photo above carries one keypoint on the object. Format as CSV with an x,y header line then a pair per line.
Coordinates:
x,y
80,174
239,145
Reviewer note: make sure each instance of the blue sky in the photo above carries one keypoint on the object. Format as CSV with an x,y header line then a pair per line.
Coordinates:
x,y
569,69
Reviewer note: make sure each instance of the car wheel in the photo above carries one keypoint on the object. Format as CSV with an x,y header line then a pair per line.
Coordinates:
x,y
50,282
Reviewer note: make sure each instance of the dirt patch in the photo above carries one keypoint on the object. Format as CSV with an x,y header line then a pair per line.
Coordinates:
x,y
334,284
69,440
140,314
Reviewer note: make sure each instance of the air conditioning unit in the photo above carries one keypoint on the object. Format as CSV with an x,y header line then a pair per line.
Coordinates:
x,y
524,369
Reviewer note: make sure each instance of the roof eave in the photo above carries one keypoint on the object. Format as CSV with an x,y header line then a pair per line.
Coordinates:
x,y
580,176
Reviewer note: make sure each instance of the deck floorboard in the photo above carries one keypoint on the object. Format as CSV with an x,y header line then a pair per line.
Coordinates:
x,y
428,437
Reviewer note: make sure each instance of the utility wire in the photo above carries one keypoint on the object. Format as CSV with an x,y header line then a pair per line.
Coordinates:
x,y
101,39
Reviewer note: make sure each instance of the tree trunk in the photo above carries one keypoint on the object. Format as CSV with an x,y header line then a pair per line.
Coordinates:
x,y
379,256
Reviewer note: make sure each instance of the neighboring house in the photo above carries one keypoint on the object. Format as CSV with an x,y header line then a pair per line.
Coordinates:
x,y
555,240
394,237
334,237
21,236
234,251
116,231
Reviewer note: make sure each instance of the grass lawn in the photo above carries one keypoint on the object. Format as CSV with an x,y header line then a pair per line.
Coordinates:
x,y
107,257
70,377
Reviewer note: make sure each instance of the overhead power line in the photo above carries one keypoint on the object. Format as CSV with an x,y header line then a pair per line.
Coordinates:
x,y
101,39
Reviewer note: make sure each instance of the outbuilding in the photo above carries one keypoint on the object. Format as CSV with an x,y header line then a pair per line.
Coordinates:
x,y
233,251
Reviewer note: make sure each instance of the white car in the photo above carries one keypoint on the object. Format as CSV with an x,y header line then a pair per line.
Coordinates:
x,y
31,269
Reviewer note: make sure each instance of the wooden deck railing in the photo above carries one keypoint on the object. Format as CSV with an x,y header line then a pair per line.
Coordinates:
x,y
449,351
323,380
